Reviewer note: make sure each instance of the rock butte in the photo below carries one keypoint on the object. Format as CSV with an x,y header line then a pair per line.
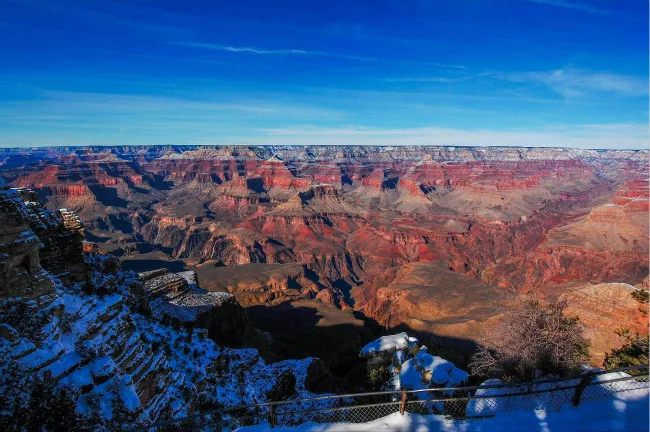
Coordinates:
x,y
437,239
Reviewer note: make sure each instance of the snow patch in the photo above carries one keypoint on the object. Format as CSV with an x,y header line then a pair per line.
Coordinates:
x,y
387,345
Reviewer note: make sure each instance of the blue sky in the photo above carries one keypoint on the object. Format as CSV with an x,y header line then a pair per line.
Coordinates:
x,y
453,72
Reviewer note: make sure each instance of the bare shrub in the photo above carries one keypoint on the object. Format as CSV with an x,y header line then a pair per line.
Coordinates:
x,y
532,341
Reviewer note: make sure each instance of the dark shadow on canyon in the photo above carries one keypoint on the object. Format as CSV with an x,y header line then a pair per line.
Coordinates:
x,y
95,238
336,337
142,265
107,196
158,182
121,224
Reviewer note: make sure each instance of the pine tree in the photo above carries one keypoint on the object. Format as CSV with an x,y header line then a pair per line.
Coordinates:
x,y
634,352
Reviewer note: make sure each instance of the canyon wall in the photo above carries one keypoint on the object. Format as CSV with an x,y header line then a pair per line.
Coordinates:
x,y
399,233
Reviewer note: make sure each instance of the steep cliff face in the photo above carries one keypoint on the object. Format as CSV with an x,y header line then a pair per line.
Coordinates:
x,y
604,310
21,271
98,337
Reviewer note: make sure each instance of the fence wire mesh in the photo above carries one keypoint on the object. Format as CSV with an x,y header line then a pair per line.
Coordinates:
x,y
610,388
346,414
459,403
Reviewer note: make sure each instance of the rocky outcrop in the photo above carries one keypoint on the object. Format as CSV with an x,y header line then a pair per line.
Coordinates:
x,y
61,250
387,346
177,298
123,368
72,221
428,371
258,283
604,310
21,273
409,366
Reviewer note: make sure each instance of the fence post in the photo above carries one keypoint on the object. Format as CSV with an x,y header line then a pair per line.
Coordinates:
x,y
402,404
219,423
272,415
582,385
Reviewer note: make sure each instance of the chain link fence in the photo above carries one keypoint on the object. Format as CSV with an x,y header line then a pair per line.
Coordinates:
x,y
459,402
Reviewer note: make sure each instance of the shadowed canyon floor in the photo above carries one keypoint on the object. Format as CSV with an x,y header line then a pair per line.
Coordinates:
x,y
437,239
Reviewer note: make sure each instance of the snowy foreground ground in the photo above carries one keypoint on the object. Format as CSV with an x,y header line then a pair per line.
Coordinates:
x,y
628,412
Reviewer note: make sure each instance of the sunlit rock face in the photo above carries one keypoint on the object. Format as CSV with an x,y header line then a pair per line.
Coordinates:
x,y
606,309
436,238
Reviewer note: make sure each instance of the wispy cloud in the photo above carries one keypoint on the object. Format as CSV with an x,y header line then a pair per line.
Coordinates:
x,y
452,66
572,83
243,49
615,136
572,5
433,79
255,50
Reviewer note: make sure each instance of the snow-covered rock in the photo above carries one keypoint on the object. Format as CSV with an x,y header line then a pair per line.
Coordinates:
x,y
411,367
425,371
177,297
387,345
121,366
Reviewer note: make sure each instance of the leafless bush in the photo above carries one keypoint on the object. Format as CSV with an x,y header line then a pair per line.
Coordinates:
x,y
531,341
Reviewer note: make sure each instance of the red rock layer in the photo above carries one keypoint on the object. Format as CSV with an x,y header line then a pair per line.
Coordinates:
x,y
521,219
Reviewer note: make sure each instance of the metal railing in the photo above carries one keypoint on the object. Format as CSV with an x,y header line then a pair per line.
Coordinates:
x,y
470,402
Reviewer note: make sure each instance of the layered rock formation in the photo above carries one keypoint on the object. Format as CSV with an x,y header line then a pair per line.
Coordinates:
x,y
358,222
605,310
21,272
122,367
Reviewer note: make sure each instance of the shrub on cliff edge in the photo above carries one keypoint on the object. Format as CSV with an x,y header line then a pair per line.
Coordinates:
x,y
634,352
531,341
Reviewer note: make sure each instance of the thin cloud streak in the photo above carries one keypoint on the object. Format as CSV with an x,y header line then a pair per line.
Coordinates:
x,y
452,66
572,83
574,6
251,50
117,110
301,52
254,50
445,80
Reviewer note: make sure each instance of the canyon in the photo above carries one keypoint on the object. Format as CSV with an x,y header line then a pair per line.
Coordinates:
x,y
438,241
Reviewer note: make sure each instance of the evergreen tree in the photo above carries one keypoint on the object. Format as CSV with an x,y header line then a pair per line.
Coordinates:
x,y
634,352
